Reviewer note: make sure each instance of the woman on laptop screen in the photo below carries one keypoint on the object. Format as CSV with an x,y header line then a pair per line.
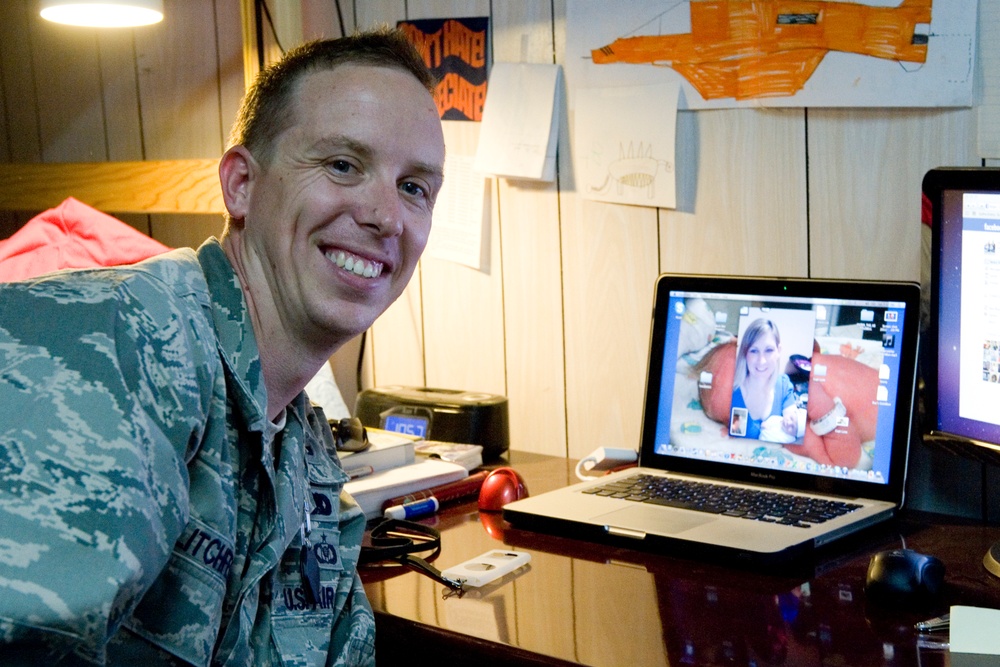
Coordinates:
x,y
763,396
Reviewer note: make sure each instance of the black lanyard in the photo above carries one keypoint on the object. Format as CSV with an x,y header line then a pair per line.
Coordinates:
x,y
397,541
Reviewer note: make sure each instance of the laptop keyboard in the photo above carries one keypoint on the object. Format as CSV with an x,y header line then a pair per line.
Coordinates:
x,y
755,504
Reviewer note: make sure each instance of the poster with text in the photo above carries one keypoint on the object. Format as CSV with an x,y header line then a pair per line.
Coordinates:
x,y
456,51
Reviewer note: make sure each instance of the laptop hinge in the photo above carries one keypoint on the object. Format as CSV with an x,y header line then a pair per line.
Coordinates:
x,y
852,528
625,532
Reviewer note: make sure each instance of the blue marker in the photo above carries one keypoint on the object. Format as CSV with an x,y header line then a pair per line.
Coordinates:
x,y
414,510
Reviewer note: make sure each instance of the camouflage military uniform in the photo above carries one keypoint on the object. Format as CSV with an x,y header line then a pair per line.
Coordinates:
x,y
143,517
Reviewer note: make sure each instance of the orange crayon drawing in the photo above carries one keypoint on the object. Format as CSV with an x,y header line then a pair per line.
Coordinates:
x,y
748,49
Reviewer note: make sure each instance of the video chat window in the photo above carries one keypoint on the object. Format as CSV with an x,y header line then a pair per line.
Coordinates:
x,y
785,384
769,385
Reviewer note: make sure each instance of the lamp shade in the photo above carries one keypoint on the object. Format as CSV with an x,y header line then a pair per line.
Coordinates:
x,y
103,13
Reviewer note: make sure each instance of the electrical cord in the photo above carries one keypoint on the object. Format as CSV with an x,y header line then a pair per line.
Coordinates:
x,y
270,22
603,459
359,369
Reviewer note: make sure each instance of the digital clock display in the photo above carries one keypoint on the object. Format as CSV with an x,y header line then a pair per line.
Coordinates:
x,y
407,424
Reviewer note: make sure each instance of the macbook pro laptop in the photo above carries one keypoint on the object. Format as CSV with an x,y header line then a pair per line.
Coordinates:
x,y
777,419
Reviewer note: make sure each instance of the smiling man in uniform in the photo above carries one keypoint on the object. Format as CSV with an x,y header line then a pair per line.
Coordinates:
x,y
167,493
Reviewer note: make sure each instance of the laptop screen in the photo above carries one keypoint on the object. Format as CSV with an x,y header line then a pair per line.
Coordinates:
x,y
808,384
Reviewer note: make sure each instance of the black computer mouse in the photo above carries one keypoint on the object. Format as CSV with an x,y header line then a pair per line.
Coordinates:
x,y
904,575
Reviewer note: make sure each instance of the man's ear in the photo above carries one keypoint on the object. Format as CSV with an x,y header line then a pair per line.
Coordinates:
x,y
237,169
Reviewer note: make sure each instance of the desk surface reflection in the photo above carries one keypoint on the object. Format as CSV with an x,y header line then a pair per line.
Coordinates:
x,y
584,603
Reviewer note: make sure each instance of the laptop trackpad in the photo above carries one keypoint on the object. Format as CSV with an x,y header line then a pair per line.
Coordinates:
x,y
653,519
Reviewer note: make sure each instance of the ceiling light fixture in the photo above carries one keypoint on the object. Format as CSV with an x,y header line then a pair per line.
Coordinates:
x,y
103,13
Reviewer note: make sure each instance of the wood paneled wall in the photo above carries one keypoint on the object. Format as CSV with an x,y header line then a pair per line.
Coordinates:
x,y
168,91
559,323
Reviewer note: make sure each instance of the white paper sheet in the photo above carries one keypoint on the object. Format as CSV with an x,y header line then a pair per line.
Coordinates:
x,y
323,391
520,122
974,630
989,109
625,139
459,231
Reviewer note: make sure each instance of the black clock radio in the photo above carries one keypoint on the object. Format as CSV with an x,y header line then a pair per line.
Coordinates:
x,y
449,415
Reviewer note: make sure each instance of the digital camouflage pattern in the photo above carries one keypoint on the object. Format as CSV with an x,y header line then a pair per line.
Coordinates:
x,y
143,518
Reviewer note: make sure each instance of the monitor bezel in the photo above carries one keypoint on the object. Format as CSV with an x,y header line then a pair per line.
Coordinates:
x,y
936,183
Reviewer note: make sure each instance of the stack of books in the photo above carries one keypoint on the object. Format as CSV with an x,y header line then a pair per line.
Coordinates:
x,y
386,450
391,468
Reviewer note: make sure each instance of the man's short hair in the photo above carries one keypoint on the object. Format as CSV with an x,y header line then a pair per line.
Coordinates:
x,y
266,110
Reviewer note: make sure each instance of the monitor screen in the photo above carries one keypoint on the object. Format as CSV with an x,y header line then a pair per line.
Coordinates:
x,y
962,373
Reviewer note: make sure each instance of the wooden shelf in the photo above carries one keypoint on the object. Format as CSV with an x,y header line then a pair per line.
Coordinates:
x,y
154,186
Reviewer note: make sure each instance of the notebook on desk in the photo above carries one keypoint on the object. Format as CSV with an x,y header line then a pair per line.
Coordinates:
x,y
801,443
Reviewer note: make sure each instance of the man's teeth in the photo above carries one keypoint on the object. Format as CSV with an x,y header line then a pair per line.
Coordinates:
x,y
356,265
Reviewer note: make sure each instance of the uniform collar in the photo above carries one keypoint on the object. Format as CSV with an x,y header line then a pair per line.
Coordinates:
x,y
237,343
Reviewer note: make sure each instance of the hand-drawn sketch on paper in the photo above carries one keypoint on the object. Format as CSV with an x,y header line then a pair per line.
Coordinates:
x,y
627,140
635,168
781,52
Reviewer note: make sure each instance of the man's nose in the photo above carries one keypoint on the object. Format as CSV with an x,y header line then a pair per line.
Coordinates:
x,y
382,208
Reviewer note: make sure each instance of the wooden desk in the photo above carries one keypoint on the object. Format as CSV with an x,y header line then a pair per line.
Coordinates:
x,y
583,603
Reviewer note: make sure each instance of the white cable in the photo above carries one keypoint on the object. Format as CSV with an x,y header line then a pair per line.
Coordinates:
x,y
603,459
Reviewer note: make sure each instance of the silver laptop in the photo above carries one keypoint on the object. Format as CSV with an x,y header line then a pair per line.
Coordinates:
x,y
777,419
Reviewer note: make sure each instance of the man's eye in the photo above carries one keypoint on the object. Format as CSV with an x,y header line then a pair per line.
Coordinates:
x,y
340,166
413,189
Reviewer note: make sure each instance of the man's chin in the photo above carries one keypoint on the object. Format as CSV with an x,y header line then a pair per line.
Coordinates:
x,y
350,315
348,322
